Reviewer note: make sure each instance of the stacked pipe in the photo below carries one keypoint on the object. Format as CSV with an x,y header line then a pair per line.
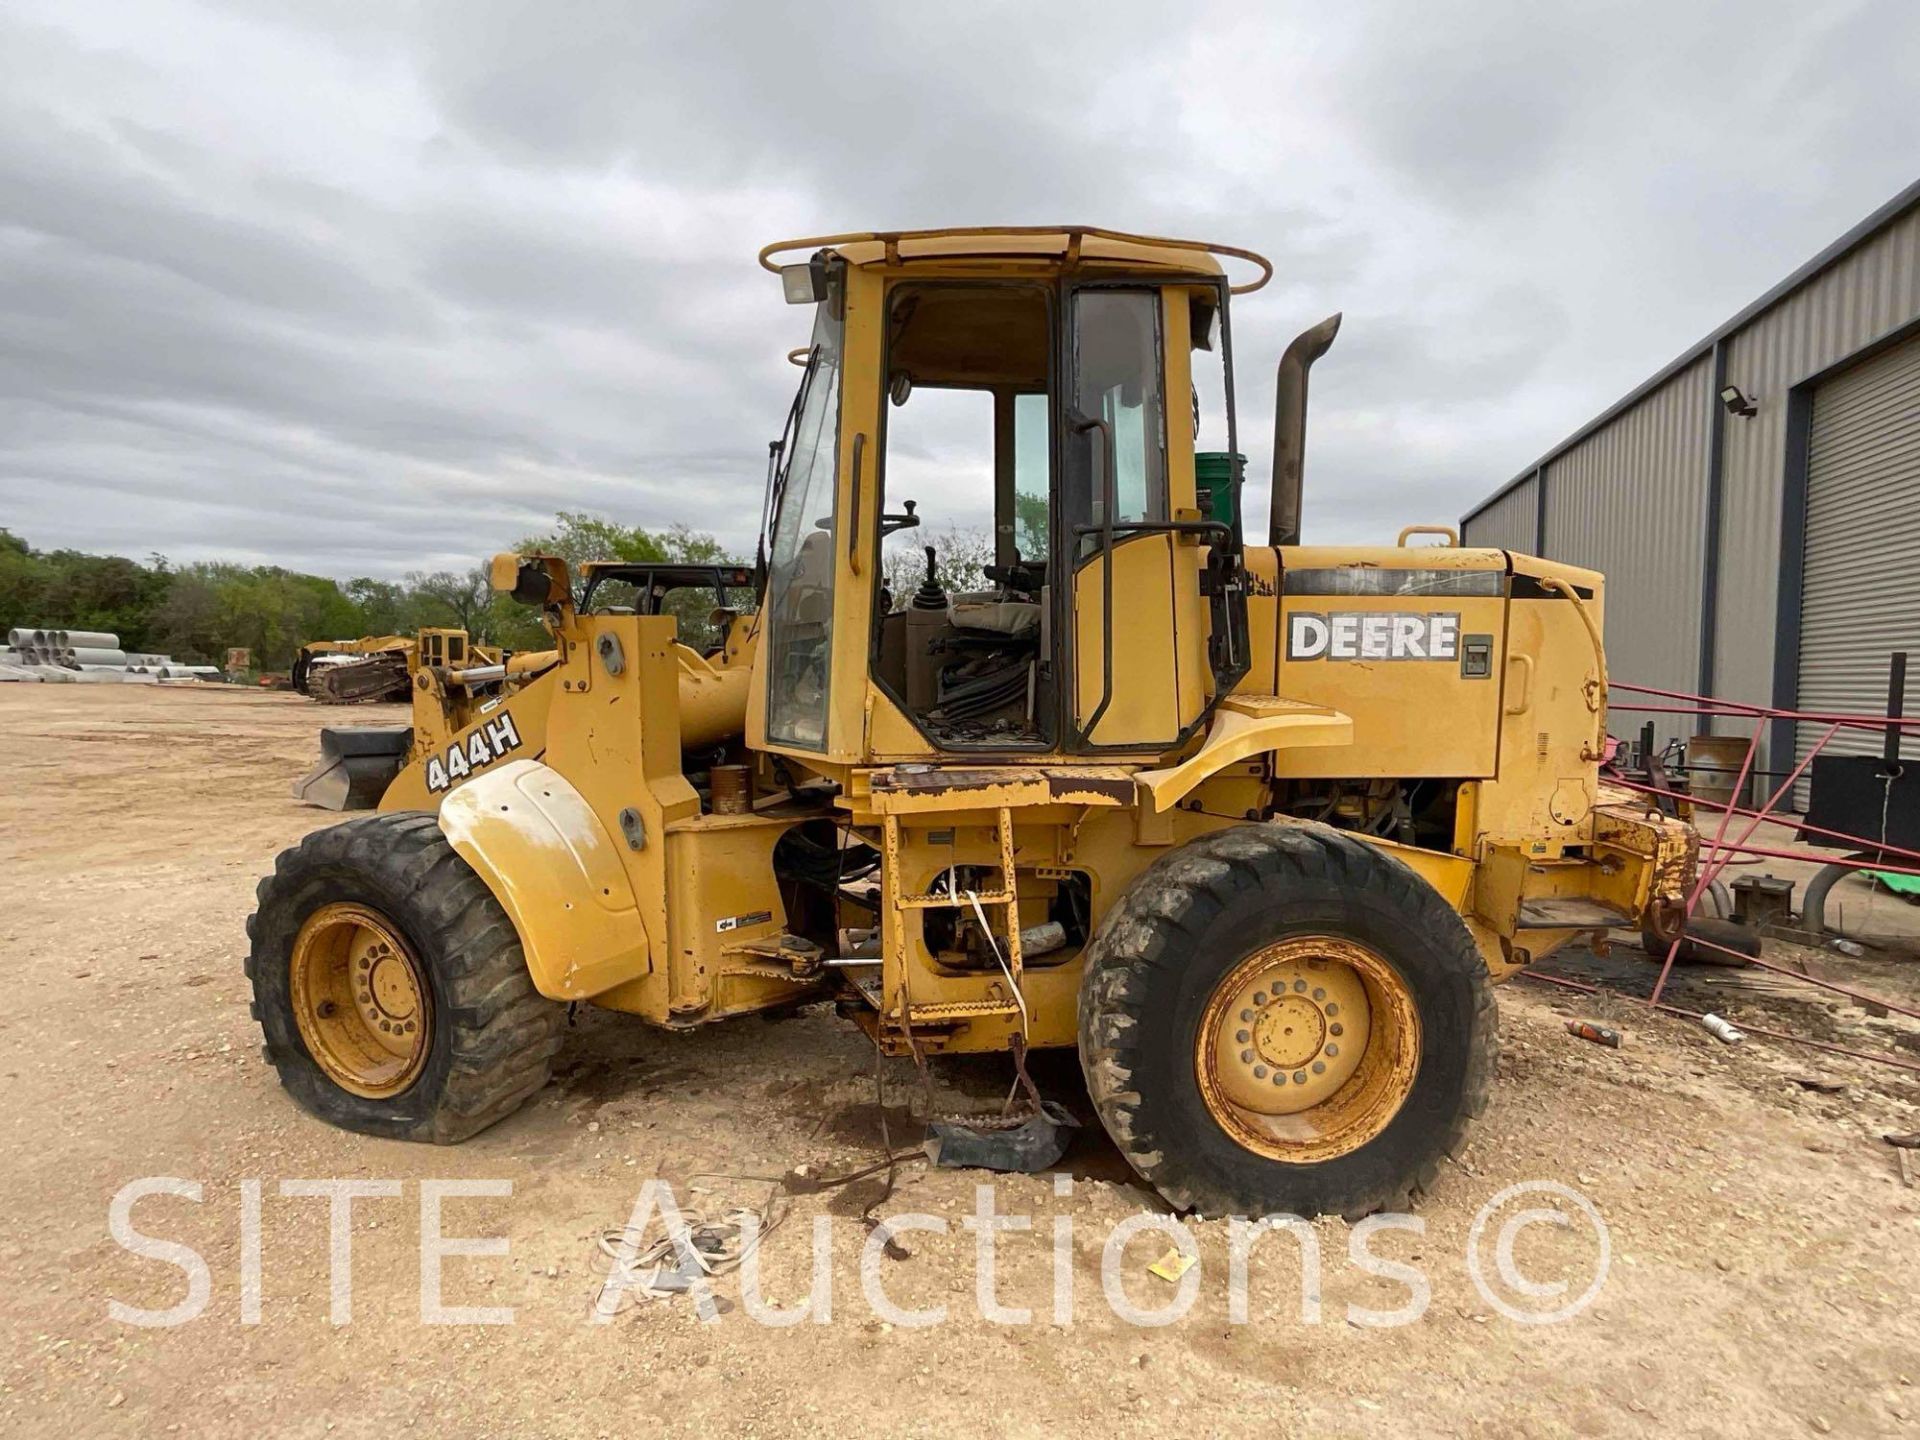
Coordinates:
x,y
91,657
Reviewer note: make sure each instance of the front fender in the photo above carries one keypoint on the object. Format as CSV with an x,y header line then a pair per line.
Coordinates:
x,y
557,872
1244,725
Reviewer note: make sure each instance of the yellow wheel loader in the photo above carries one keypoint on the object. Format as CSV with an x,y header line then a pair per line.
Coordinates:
x,y
1254,826
452,683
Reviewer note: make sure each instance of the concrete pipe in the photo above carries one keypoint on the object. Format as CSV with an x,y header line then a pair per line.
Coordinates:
x,y
18,639
94,655
86,639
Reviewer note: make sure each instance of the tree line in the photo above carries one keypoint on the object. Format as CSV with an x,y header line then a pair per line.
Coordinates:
x,y
196,612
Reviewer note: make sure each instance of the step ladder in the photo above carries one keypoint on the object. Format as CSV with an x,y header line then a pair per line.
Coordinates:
x,y
1003,897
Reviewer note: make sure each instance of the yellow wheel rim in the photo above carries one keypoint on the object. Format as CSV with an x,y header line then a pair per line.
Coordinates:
x,y
360,1000
1307,1049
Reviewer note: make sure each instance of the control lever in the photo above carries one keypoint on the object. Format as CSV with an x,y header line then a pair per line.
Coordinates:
x,y
889,524
1017,576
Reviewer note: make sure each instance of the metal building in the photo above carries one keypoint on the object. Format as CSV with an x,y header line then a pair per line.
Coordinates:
x,y
1755,506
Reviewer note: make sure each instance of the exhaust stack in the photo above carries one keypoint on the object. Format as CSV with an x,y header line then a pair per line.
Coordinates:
x,y
1290,428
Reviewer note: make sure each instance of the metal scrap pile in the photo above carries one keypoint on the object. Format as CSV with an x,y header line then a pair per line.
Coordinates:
x,y
92,657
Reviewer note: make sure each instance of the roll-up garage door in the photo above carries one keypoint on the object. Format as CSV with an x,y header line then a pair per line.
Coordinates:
x,y
1862,597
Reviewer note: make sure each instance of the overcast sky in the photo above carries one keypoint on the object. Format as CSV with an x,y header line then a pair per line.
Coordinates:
x,y
365,288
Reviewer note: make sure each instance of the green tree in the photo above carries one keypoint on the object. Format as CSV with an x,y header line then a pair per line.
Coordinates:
x,y
460,598
384,605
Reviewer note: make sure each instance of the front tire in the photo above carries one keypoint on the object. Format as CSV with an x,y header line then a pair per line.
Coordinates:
x,y
1284,1019
390,986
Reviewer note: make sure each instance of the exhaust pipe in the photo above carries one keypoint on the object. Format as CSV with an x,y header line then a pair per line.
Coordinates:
x,y
1290,428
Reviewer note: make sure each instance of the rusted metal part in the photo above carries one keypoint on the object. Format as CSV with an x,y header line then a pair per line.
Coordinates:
x,y
907,790
1307,1049
1081,785
378,677
1708,870
732,789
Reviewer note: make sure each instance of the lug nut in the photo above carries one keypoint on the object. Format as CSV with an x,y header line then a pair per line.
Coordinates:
x,y
1243,1036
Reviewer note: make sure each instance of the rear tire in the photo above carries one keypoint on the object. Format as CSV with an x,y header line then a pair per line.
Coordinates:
x,y
489,1036
1180,945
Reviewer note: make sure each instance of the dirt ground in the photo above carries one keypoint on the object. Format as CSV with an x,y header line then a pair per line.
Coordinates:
x,y
1764,1250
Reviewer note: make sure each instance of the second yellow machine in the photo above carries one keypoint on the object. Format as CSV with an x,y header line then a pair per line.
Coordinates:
x,y
1256,827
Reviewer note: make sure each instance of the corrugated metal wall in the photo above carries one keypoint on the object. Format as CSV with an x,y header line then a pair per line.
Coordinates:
x,y
1630,502
1506,523
1865,294
1628,496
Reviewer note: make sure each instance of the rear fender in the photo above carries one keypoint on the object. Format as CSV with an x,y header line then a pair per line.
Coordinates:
x,y
558,873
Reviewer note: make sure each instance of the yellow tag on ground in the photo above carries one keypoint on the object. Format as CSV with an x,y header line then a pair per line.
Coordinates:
x,y
1172,1265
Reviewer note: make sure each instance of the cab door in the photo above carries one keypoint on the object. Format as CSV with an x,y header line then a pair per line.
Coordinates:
x,y
1136,623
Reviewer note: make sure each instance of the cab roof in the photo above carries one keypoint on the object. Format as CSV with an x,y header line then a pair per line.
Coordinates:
x,y
1069,243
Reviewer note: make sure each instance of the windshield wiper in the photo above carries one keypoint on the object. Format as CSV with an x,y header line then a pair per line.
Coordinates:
x,y
779,461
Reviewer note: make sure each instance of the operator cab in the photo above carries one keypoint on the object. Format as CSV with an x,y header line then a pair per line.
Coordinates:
x,y
993,450
959,622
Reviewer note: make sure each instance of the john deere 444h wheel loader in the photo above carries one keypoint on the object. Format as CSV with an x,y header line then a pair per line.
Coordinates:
x,y
1256,827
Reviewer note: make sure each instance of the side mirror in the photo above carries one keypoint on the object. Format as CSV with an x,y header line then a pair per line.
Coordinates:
x,y
533,585
530,579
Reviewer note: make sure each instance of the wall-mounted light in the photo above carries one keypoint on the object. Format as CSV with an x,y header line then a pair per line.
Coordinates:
x,y
1737,402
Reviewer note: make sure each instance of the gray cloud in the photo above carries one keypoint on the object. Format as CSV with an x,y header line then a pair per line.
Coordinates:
x,y
378,287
